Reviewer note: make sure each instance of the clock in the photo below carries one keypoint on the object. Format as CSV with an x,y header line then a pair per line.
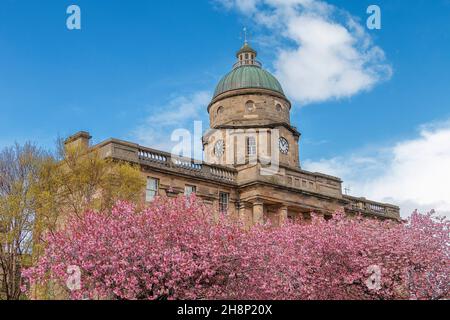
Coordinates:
x,y
284,145
219,148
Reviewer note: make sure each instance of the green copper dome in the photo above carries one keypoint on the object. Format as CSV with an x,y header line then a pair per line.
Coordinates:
x,y
247,73
248,77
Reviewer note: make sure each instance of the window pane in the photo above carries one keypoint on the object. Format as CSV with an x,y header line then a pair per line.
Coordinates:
x,y
150,196
223,202
152,189
188,190
153,184
251,146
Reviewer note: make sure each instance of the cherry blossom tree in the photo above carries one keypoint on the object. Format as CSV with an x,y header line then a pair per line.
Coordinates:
x,y
178,249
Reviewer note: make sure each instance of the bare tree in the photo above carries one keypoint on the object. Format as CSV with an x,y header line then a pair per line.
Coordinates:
x,y
19,168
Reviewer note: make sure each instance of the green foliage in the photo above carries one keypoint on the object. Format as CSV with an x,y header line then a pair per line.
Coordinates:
x,y
37,190
19,171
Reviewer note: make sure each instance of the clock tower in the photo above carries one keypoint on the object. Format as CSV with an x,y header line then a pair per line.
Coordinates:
x,y
250,118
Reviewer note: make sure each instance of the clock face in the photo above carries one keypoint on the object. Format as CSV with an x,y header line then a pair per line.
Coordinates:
x,y
219,148
284,146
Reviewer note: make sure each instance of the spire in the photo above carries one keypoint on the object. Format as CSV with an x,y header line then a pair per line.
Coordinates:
x,y
245,36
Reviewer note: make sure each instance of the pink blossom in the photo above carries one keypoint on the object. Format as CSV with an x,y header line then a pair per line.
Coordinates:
x,y
174,249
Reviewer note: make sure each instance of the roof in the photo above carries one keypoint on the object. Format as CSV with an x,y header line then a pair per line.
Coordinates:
x,y
246,48
248,76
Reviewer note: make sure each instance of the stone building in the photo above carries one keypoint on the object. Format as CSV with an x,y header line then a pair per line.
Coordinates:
x,y
251,167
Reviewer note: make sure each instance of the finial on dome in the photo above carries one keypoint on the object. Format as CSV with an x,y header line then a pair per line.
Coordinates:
x,y
246,55
245,36
246,47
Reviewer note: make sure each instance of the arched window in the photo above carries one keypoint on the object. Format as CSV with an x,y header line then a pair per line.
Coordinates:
x,y
220,110
251,146
279,108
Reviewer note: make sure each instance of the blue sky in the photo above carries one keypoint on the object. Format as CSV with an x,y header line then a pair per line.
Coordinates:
x,y
134,62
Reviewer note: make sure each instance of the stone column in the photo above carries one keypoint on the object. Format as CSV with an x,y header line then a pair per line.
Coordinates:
x,y
244,215
282,215
258,213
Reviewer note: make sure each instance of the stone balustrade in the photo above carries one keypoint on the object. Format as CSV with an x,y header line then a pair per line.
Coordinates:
x,y
152,156
188,165
125,151
362,205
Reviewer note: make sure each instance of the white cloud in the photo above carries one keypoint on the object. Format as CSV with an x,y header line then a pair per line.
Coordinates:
x,y
414,174
180,112
180,109
329,55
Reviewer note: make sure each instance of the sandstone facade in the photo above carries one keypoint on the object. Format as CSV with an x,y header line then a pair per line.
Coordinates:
x,y
250,131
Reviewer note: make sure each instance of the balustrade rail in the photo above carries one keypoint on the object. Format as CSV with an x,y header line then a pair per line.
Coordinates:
x,y
247,62
366,206
190,166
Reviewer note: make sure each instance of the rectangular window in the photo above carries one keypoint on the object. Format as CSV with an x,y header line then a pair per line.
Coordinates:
x,y
188,190
251,146
152,189
224,199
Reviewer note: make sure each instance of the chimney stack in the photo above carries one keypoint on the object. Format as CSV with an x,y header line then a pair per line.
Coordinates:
x,y
80,139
